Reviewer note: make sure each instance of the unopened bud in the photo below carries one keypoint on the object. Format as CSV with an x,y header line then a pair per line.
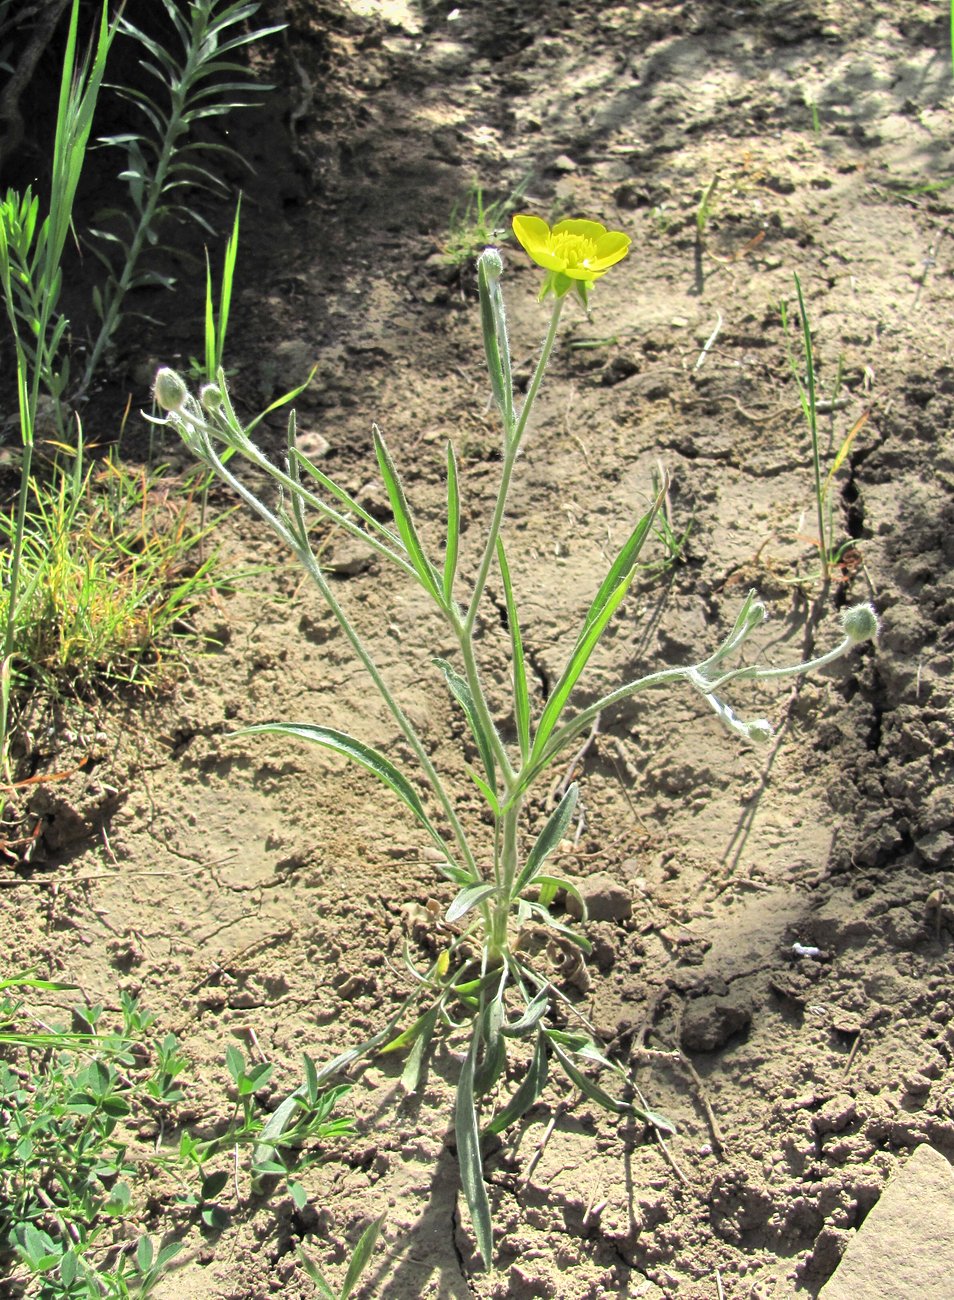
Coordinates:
x,y
491,263
210,395
755,616
759,731
169,390
860,623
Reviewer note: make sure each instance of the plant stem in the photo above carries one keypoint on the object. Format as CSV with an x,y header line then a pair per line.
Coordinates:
x,y
300,547
179,90
510,457
503,902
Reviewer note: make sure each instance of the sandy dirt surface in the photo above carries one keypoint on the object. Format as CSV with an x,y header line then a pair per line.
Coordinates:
x,y
254,891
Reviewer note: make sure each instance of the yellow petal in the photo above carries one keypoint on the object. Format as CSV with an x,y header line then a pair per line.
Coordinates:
x,y
578,226
532,233
613,241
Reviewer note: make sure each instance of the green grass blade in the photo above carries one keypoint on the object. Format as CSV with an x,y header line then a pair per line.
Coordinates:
x,y
468,1155
405,520
225,294
316,1275
453,525
364,755
844,449
548,839
530,1089
810,405
521,697
209,331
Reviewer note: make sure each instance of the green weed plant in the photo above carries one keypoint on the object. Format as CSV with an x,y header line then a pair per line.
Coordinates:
x,y
484,989
70,1174
167,166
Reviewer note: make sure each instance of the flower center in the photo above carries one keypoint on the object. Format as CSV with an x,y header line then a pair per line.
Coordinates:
x,y
575,250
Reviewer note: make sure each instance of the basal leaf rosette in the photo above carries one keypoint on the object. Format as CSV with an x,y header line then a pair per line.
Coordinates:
x,y
574,253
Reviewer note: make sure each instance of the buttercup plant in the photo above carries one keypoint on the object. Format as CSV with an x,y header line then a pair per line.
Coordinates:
x,y
482,983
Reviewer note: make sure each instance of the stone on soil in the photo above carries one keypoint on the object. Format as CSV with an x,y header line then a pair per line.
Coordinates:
x,y
904,1250
606,899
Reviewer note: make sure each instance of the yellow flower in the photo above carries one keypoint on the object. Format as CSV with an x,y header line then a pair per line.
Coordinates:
x,y
574,253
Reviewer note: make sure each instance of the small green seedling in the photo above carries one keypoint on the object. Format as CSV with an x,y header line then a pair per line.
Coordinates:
x,y
830,552
360,1257
475,223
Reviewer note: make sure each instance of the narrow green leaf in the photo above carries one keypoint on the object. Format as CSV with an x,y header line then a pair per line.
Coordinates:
x,y
555,883
361,1254
453,525
407,1036
468,1155
494,1059
496,347
371,759
844,449
460,689
485,790
281,401
531,1087
209,329
521,697
578,661
575,936
623,566
548,839
468,898
225,293
311,1078
528,1022
587,1086
656,1120
316,1276
405,520
418,1053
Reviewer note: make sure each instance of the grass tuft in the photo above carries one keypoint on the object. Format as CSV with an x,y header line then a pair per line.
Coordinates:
x,y
111,571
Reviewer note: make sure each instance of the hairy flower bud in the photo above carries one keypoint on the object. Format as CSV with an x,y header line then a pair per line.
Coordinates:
x,y
491,263
169,390
860,623
759,731
210,395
